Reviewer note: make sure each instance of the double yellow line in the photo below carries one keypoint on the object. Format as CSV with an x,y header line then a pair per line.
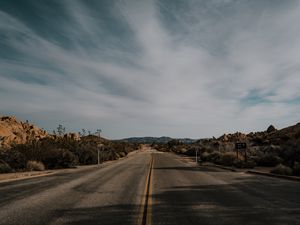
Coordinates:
x,y
145,216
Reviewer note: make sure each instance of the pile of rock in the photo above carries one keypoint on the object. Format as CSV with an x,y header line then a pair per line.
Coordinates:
x,y
238,136
13,131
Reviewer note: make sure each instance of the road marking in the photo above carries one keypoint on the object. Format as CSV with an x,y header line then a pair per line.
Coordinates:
x,y
145,216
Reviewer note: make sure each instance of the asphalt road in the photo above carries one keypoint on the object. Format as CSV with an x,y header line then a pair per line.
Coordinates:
x,y
131,191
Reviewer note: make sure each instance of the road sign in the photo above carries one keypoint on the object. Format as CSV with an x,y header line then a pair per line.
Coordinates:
x,y
240,145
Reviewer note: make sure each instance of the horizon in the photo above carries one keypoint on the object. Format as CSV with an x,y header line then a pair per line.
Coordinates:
x,y
153,68
147,136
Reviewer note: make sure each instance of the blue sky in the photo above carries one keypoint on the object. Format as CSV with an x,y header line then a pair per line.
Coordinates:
x,y
194,68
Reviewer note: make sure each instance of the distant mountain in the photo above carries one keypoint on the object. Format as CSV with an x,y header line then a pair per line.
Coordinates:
x,y
160,140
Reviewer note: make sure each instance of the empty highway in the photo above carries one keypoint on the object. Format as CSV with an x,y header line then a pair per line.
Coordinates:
x,y
150,187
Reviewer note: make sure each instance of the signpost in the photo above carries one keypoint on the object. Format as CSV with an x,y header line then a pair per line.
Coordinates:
x,y
197,154
99,133
98,156
239,146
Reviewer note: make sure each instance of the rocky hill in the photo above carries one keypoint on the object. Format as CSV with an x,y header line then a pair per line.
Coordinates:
x,y
271,136
13,131
24,146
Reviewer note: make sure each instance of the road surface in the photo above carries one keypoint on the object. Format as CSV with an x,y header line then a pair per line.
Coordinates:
x,y
149,187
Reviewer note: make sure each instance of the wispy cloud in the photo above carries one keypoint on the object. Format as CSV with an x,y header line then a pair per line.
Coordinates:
x,y
179,68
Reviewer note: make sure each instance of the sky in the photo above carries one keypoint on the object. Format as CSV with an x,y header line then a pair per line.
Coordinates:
x,y
179,68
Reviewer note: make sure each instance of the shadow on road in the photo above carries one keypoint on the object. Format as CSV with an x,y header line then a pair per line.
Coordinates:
x,y
109,215
242,201
246,201
188,168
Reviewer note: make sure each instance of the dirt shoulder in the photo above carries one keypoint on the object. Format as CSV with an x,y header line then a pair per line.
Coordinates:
x,y
23,175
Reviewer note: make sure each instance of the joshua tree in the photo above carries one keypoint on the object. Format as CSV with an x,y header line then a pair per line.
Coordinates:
x,y
99,132
61,130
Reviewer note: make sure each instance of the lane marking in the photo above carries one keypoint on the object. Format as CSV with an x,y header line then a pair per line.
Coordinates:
x,y
145,215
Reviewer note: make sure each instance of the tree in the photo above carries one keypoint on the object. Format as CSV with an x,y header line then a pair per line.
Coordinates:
x,y
99,132
83,132
61,130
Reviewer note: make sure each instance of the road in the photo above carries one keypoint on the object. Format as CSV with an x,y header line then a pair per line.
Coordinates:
x,y
149,187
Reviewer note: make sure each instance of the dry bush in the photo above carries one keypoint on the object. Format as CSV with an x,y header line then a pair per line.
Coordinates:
x,y
282,170
15,159
213,157
228,159
35,166
59,158
269,160
63,152
204,156
296,169
4,167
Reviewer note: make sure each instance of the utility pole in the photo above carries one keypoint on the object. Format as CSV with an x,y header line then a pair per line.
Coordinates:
x,y
99,133
98,156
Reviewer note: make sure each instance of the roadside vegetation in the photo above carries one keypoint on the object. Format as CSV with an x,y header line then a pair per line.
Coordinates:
x,y
278,150
56,152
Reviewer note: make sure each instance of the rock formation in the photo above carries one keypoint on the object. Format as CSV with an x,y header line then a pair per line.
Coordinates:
x,y
271,129
13,131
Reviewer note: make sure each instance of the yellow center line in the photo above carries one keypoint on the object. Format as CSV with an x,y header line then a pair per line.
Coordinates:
x,y
145,216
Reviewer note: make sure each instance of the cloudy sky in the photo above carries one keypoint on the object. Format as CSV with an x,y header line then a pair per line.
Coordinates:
x,y
182,68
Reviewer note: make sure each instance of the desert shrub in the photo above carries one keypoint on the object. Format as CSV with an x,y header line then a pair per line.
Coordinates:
x,y
122,154
282,170
35,166
285,138
296,169
214,157
161,147
173,143
4,167
297,135
31,150
63,152
15,159
86,153
189,152
269,160
59,158
87,156
258,140
204,156
107,154
227,159
290,153
111,154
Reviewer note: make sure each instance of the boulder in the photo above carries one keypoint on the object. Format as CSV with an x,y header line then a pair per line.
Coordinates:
x,y
271,129
13,131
